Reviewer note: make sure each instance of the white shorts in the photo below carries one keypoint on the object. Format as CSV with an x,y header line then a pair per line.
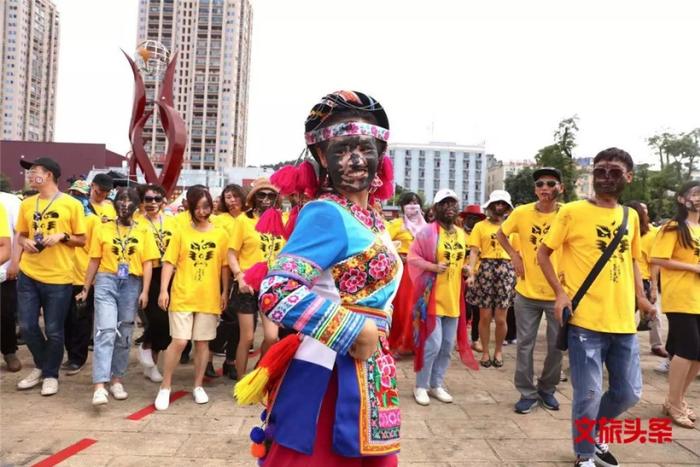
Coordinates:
x,y
189,325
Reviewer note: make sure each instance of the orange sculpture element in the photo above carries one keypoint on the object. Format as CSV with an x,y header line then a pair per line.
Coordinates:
x,y
144,53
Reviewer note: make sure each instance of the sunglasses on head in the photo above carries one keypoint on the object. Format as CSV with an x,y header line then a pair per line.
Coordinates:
x,y
153,199
549,183
261,195
608,172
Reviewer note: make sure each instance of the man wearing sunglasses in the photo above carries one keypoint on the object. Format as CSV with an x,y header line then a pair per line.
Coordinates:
x,y
534,296
602,329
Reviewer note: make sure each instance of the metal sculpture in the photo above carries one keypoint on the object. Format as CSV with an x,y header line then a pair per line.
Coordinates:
x,y
172,122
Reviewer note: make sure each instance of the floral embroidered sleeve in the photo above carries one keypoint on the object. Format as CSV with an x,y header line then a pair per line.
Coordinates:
x,y
319,241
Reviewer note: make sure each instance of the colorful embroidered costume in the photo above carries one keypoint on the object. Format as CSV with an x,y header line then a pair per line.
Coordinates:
x,y
338,269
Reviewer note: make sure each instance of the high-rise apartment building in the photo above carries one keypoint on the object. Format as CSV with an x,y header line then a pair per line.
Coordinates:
x,y
426,168
29,31
212,38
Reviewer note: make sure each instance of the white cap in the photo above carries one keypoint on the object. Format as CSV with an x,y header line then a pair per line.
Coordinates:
x,y
444,194
498,195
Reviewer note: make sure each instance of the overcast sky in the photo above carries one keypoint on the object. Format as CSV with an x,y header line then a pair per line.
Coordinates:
x,y
499,72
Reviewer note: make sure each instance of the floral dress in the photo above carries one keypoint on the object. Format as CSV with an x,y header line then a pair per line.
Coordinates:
x,y
338,269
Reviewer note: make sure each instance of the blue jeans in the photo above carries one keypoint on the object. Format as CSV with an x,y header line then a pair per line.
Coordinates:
x,y
588,351
436,356
33,296
116,301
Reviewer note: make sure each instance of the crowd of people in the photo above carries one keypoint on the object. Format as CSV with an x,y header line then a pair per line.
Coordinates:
x,y
340,292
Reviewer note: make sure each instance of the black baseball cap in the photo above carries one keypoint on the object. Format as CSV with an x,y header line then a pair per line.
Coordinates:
x,y
551,171
45,162
104,181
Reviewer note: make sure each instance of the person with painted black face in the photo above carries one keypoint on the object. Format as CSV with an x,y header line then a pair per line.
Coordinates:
x,y
446,263
50,225
677,252
492,284
602,331
121,256
534,296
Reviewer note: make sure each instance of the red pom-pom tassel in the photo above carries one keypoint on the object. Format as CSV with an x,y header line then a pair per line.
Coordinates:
x,y
386,175
286,179
258,450
271,223
291,221
307,180
277,358
255,275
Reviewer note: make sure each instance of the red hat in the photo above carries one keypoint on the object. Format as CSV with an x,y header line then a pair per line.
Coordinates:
x,y
473,210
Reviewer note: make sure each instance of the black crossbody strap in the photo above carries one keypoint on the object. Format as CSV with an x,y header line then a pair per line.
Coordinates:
x,y
602,260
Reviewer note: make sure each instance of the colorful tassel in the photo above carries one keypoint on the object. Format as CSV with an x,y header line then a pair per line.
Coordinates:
x,y
308,180
271,223
256,384
255,275
386,175
258,450
291,221
286,179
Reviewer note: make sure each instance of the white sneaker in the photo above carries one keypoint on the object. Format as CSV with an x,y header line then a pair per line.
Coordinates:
x,y
118,392
146,357
163,399
31,380
441,395
663,367
153,374
200,396
49,387
99,397
421,396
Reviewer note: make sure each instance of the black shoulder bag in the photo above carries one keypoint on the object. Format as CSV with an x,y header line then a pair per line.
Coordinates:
x,y
563,336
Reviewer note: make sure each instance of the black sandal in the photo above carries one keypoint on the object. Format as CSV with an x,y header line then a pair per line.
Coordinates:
x,y
497,363
485,363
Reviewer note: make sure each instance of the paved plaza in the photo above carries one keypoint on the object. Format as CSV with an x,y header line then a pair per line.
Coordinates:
x,y
478,429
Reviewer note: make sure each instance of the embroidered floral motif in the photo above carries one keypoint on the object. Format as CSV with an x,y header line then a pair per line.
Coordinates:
x,y
300,268
362,275
367,217
346,129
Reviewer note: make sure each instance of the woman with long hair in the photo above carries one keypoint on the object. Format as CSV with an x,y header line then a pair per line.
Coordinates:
x,y
197,256
677,252
121,255
403,230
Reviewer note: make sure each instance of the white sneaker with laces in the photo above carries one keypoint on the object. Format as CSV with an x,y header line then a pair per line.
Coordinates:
x,y
421,396
99,397
199,395
49,387
153,374
146,357
663,367
118,391
163,399
441,395
31,380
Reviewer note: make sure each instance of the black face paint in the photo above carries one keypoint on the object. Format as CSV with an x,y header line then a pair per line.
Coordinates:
x,y
265,199
352,162
446,211
610,184
125,208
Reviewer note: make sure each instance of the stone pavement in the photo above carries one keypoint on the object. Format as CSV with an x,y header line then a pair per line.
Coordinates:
x,y
478,429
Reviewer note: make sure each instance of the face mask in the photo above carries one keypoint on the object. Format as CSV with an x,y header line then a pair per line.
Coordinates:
x,y
412,210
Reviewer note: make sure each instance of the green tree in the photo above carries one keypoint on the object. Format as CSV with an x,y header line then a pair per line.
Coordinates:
x,y
559,155
5,183
677,150
521,187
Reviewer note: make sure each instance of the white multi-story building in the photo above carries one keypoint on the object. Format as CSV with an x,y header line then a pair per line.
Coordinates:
x,y
29,32
211,76
426,168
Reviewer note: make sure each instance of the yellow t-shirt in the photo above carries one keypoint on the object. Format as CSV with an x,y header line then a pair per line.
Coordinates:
x,y
483,237
162,231
183,218
583,230
105,211
54,264
399,233
4,226
647,244
452,250
198,258
225,221
252,246
133,244
680,290
82,254
531,226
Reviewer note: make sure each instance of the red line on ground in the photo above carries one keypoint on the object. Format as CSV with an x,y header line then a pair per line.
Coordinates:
x,y
138,415
64,454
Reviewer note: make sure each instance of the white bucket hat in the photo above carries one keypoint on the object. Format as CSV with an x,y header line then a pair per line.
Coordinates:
x,y
498,195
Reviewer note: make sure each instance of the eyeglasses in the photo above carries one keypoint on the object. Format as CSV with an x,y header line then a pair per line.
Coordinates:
x,y
261,195
608,172
152,199
549,183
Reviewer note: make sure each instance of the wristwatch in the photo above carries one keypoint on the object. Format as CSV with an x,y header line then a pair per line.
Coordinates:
x,y
66,237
